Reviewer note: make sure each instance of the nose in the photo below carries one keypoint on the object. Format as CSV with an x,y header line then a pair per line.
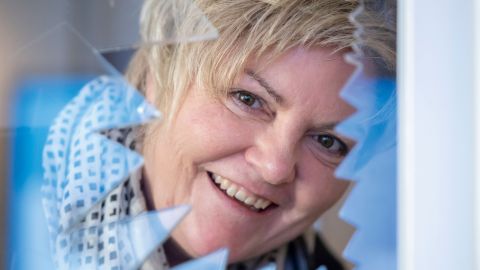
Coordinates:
x,y
273,158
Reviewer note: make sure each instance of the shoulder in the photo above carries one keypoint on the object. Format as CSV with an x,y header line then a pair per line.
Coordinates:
x,y
309,251
306,252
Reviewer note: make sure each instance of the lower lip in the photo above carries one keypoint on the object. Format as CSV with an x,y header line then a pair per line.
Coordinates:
x,y
236,204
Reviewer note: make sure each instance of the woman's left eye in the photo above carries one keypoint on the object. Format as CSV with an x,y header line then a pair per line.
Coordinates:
x,y
331,144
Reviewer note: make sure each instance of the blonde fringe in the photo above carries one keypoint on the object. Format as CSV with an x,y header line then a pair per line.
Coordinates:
x,y
248,28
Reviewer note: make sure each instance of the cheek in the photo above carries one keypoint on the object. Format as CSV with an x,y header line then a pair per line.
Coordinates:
x,y
317,189
209,130
203,131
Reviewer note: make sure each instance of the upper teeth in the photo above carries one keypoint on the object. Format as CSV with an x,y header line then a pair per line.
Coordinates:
x,y
240,194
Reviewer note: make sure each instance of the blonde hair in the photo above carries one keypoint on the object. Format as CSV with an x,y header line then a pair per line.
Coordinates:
x,y
247,28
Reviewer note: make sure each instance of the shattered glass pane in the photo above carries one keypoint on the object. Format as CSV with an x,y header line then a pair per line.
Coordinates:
x,y
371,205
215,260
131,240
58,53
56,56
178,21
22,21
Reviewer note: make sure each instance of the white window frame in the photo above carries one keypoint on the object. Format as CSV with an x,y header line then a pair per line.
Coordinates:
x,y
439,119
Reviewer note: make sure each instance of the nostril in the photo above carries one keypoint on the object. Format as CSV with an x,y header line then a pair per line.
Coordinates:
x,y
277,173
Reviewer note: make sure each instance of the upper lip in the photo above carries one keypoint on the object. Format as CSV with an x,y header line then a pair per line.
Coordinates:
x,y
250,188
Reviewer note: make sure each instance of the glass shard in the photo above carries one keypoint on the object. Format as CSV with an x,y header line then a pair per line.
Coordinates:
x,y
114,24
215,260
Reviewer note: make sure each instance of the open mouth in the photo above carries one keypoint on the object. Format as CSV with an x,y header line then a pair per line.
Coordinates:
x,y
241,195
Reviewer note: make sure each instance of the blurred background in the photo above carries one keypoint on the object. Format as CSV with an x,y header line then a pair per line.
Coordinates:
x,y
44,64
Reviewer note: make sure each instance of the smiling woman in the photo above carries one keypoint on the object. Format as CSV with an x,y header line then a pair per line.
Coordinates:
x,y
249,136
256,165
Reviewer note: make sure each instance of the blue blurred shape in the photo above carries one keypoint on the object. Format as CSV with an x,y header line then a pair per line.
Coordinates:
x,y
371,206
214,261
82,166
137,238
33,106
270,266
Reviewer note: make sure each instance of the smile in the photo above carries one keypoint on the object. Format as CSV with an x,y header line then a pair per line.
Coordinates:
x,y
240,194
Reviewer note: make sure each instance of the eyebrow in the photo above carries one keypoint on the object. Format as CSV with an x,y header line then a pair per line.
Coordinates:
x,y
326,126
279,99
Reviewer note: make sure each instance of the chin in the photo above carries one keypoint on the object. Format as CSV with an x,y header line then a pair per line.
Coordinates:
x,y
198,241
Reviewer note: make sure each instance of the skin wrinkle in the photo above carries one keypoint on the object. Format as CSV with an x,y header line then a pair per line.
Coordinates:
x,y
265,85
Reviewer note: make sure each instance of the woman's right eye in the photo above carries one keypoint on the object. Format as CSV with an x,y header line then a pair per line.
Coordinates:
x,y
249,104
245,98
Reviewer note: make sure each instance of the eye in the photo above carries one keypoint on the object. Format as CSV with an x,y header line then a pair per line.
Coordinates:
x,y
248,99
247,104
331,144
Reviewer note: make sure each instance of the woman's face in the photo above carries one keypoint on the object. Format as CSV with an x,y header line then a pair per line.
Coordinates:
x,y
257,166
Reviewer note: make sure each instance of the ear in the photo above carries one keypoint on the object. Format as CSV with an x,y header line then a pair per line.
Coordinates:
x,y
150,89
